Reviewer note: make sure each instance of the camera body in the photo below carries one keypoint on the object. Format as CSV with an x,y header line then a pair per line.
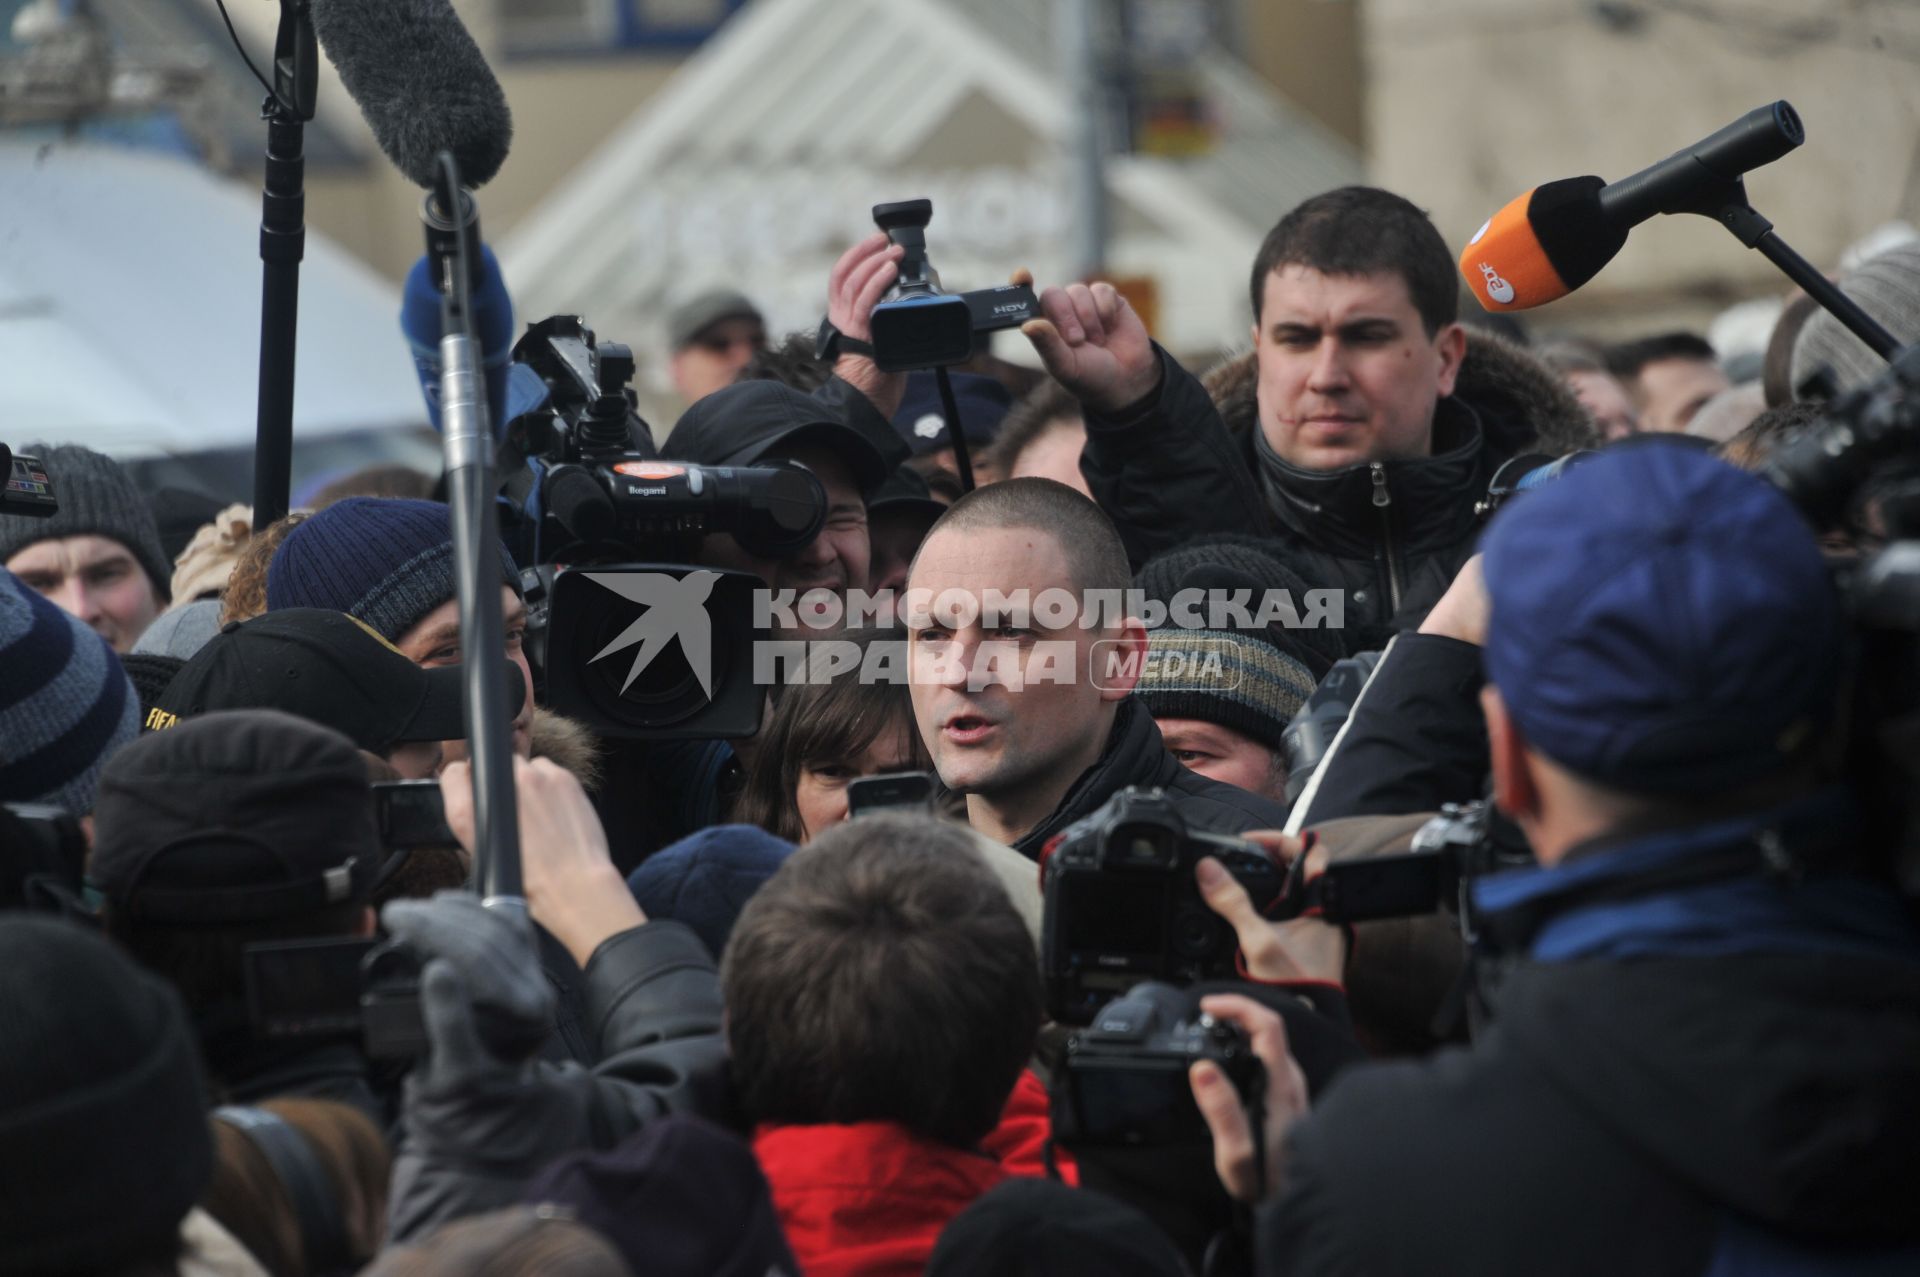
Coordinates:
x,y
1122,906
25,486
922,326
1124,1077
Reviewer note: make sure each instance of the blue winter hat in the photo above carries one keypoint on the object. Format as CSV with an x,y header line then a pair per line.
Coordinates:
x,y
706,879
65,702
982,401
386,560
1661,622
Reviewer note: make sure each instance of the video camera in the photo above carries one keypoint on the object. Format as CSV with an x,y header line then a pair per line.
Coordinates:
x,y
28,488
1862,467
1121,904
918,325
588,490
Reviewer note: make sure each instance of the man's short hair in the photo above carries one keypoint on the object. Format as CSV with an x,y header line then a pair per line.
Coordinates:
x,y
1095,553
882,975
1629,357
1031,416
1363,230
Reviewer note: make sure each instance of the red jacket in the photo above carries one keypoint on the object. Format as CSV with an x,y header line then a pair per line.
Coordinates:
x,y
869,1199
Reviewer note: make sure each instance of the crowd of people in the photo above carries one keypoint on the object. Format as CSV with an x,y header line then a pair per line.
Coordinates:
x,y
255,1025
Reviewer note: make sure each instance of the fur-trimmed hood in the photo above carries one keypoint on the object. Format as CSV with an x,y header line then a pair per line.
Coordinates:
x,y
567,743
1523,405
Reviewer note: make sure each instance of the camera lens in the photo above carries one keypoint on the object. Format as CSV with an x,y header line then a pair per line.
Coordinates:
x,y
1195,933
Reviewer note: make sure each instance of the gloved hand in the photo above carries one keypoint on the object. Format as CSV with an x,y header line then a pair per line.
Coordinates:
x,y
484,1000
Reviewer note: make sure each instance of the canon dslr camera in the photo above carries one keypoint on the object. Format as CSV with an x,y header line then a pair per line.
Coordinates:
x,y
1122,905
1124,1080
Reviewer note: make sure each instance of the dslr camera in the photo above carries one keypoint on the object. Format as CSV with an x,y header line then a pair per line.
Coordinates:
x,y
918,325
1124,1077
1122,906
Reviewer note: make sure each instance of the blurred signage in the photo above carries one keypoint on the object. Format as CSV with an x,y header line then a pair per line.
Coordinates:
x,y
1168,108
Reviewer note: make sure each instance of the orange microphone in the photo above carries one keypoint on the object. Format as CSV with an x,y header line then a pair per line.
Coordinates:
x,y
1541,246
1556,237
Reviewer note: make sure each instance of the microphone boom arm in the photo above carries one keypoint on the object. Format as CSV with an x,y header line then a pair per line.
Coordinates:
x,y
469,444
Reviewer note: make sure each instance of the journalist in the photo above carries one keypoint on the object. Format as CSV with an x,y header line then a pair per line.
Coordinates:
x,y
1706,1051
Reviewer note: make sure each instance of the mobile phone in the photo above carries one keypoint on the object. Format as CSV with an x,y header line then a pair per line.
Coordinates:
x,y
911,790
410,814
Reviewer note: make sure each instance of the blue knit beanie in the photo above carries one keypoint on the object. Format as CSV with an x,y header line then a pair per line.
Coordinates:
x,y
386,560
65,703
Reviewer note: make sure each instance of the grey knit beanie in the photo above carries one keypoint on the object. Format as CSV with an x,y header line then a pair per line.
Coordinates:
x,y
96,498
1887,288
65,702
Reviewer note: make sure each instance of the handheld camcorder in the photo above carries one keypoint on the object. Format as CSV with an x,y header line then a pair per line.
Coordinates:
x,y
610,526
1124,1077
27,489
918,325
1122,906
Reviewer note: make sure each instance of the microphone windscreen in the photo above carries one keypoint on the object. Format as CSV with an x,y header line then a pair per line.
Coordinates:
x,y
420,81
1541,246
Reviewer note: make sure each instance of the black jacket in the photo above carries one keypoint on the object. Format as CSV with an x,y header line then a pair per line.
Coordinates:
x,y
1721,1074
1135,755
653,1016
1390,534
1414,740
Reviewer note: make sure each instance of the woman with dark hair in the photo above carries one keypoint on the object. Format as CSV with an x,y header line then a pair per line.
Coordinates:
x,y
823,733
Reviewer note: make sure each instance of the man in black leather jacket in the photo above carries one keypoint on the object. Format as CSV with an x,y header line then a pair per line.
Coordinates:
x,y
1359,432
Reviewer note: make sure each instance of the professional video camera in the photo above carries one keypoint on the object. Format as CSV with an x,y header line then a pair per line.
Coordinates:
x,y
1861,466
1123,1080
591,500
1121,904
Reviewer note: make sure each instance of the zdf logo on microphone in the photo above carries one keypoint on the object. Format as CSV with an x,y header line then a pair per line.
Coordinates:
x,y
1498,289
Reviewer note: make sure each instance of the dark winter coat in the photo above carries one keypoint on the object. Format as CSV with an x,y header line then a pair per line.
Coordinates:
x,y
1135,755
1711,1076
1390,534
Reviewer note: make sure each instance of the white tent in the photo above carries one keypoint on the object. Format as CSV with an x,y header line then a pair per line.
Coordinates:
x,y
130,311
759,161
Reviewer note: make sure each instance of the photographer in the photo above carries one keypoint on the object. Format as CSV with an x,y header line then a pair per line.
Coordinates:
x,y
1706,1051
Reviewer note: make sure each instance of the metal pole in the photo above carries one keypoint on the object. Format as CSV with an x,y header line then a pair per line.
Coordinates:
x,y
283,242
1077,33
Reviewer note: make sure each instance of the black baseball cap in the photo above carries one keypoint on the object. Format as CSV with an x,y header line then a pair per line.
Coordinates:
x,y
327,667
754,422
246,816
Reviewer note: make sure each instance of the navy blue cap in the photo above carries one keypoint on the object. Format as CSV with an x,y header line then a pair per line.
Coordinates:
x,y
983,404
1661,622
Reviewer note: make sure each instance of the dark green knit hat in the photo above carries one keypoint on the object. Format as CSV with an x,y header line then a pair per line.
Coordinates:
x,y
1230,677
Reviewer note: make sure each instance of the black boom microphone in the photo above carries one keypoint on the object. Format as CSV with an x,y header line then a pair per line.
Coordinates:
x,y
439,114
422,84
1556,237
